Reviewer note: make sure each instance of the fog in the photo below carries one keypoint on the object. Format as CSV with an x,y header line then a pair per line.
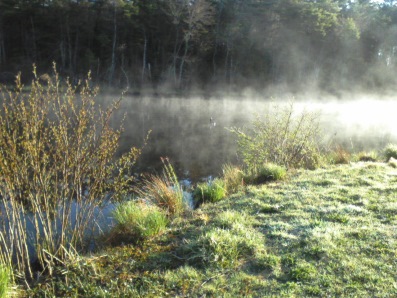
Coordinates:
x,y
181,128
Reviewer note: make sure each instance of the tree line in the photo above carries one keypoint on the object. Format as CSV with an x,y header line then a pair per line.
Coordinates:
x,y
180,44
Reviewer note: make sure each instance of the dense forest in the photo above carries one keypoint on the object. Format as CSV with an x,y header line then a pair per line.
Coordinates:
x,y
183,44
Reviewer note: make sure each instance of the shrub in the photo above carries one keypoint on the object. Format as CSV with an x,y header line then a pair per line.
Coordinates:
x,y
163,190
233,178
390,151
139,221
283,138
265,173
58,150
211,191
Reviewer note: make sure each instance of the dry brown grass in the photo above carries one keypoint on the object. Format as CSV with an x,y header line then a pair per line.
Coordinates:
x,y
163,190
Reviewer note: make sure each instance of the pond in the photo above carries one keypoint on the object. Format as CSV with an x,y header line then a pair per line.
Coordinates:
x,y
193,132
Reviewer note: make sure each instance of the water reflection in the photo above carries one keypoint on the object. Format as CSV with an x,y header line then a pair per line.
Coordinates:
x,y
191,131
100,222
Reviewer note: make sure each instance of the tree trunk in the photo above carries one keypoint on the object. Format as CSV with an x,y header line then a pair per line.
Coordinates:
x,y
76,50
175,55
124,72
183,61
34,47
2,47
144,56
62,47
113,61
227,72
69,44
216,39
63,54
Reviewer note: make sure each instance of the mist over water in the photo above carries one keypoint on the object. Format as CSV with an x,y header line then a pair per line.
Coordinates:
x,y
183,131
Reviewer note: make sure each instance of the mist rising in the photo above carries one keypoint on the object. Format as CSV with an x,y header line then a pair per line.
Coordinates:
x,y
182,128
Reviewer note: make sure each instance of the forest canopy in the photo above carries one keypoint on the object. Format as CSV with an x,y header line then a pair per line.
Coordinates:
x,y
179,44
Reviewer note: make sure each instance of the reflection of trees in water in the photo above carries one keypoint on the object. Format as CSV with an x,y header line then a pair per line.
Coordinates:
x,y
180,129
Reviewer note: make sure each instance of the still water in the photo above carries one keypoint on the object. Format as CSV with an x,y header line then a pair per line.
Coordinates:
x,y
193,132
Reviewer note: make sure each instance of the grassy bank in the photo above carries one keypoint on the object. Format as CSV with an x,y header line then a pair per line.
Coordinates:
x,y
326,232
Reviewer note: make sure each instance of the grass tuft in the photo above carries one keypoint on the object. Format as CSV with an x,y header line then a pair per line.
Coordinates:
x,y
211,191
233,178
265,173
164,190
370,156
220,248
139,221
339,156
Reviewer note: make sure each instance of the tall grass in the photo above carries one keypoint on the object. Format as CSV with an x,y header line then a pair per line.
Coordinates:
x,y
57,151
164,190
339,155
233,178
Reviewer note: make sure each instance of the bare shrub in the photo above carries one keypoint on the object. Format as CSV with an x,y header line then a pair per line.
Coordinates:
x,y
282,137
57,153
